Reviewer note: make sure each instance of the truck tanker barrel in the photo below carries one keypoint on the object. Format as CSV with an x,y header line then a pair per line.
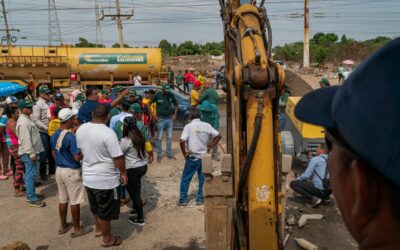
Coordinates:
x,y
85,65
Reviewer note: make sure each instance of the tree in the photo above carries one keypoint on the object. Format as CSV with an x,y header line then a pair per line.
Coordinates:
x,y
116,45
84,43
320,55
188,48
331,37
166,47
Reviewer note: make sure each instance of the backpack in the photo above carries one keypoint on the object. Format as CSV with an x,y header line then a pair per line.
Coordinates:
x,y
326,182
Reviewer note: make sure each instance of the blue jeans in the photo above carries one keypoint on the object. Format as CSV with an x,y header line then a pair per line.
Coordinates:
x,y
166,124
186,88
30,177
190,86
282,121
192,166
46,156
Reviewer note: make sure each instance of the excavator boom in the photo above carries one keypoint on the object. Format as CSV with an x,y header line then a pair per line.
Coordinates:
x,y
243,206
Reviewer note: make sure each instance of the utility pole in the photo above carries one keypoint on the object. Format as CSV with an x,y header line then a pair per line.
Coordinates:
x,y
119,21
54,25
306,55
7,30
99,33
119,17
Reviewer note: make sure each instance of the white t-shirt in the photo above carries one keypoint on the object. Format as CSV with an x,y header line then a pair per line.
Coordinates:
x,y
198,134
137,80
99,145
132,159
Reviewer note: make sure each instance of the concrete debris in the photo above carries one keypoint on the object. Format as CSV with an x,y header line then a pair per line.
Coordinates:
x,y
305,244
286,239
290,220
305,217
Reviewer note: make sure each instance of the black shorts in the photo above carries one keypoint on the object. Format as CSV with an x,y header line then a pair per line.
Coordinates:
x,y
104,203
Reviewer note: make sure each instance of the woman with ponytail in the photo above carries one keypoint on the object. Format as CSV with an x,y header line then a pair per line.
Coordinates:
x,y
138,153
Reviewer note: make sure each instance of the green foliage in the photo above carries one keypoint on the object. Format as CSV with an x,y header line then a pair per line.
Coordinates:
x,y
116,45
289,52
328,48
191,48
320,55
84,43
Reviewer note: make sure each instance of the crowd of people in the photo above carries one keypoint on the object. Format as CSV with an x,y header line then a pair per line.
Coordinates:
x,y
97,148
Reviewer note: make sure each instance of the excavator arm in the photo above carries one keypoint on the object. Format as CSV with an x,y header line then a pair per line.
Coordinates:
x,y
243,205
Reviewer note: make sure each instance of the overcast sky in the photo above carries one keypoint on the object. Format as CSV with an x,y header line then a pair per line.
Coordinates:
x,y
199,21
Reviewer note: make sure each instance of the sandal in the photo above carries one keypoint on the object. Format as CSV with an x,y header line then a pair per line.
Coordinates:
x,y
9,173
83,231
116,242
3,177
68,226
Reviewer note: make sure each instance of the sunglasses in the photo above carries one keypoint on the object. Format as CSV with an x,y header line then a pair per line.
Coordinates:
x,y
333,136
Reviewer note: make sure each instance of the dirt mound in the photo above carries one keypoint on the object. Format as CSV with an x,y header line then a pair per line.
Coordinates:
x,y
297,86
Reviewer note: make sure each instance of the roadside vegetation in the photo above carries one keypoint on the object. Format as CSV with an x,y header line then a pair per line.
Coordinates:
x,y
324,48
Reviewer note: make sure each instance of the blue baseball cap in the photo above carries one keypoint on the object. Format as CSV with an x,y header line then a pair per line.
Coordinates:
x,y
365,110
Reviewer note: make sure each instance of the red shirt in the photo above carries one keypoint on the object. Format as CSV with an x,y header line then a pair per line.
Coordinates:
x,y
189,77
52,107
105,101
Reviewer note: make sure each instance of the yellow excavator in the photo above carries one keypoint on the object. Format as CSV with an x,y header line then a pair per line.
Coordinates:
x,y
244,205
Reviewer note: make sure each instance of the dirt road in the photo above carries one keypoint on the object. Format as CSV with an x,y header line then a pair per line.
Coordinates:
x,y
167,226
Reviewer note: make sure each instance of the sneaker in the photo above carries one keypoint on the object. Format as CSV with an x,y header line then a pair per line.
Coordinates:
x,y
133,213
136,221
172,157
315,202
199,203
183,204
40,197
37,203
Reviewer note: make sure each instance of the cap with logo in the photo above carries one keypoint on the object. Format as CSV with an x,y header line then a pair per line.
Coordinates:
x,y
44,89
25,104
11,99
165,86
118,88
132,92
59,97
364,110
136,108
65,114
80,97
325,81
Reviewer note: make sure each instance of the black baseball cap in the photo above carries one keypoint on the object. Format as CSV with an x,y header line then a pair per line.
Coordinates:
x,y
365,110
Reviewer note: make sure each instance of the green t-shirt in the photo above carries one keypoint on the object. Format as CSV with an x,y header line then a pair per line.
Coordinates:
x,y
114,111
119,126
209,94
165,104
179,79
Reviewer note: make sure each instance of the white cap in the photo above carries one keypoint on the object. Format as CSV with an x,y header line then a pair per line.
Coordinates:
x,y
65,114
11,99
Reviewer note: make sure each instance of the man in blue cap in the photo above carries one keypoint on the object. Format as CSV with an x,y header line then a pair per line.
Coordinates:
x,y
361,120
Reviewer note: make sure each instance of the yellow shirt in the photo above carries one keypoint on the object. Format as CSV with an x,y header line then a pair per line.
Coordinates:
x,y
194,96
153,106
201,79
54,125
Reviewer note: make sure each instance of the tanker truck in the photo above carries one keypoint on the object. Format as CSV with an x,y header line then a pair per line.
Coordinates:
x,y
63,66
